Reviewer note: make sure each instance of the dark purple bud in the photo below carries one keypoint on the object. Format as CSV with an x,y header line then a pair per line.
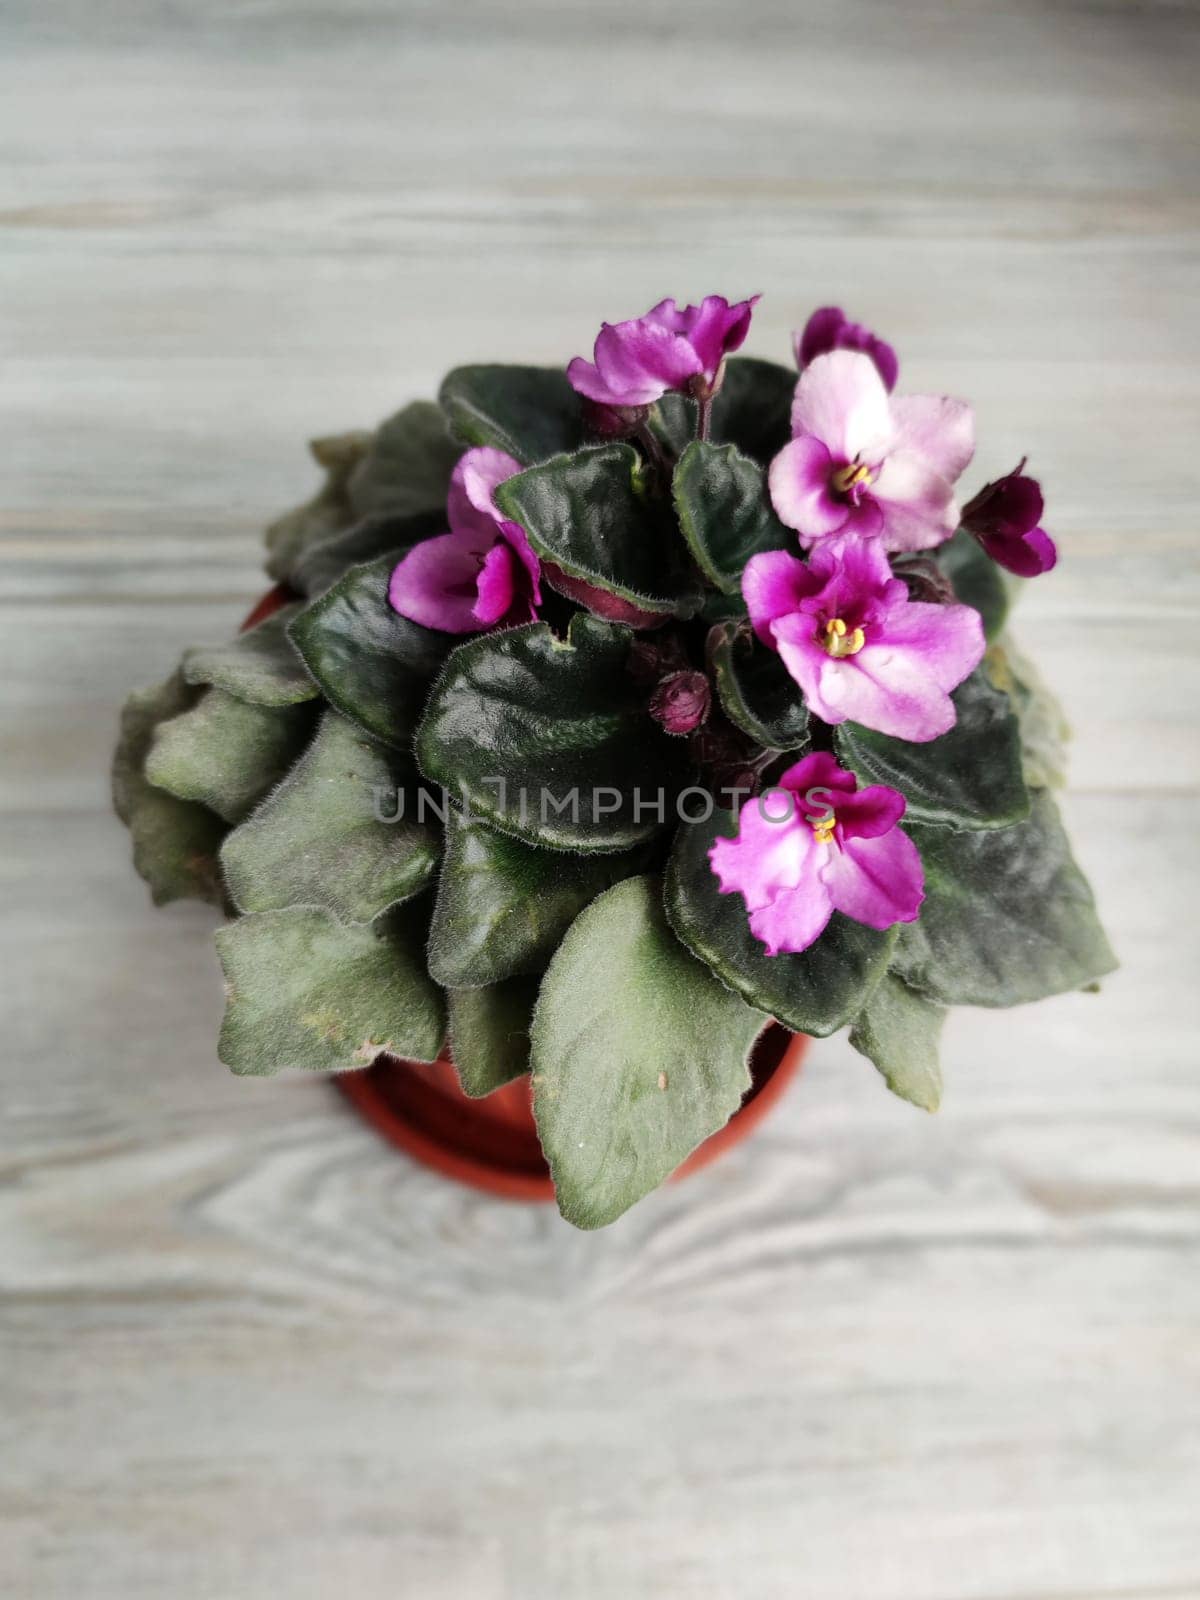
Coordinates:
x,y
1004,518
612,422
830,329
681,701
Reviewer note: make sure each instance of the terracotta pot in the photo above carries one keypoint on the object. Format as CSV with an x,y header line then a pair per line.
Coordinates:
x,y
492,1143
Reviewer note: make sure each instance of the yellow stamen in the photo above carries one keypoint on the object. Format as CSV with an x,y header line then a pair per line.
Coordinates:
x,y
850,476
838,642
823,830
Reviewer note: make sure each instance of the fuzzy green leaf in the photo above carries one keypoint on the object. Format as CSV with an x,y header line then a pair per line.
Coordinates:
x,y
757,692
638,1055
382,534
503,905
304,990
815,992
318,839
725,512
407,468
531,412
977,580
969,778
587,514
260,665
489,1033
1045,731
175,842
226,753
1008,916
898,1029
550,739
328,511
373,664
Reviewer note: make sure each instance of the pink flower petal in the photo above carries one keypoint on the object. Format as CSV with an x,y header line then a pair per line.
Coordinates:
x,y
496,587
794,920
938,429
879,881
639,362
799,480
436,582
916,503
473,483
774,584
841,400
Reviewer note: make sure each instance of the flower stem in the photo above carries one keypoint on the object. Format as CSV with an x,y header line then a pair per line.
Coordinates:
x,y
704,416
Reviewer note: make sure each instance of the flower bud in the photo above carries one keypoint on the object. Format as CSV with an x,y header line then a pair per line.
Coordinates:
x,y
681,702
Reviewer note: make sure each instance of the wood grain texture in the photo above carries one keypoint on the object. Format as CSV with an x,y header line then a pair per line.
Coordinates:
x,y
247,1351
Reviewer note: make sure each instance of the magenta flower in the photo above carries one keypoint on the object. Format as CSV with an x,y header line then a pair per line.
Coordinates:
x,y
637,362
816,844
830,329
1004,517
866,464
858,646
483,571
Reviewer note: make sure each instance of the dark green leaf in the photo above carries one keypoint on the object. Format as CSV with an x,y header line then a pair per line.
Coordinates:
x,y
531,412
304,990
226,753
550,740
407,468
977,580
1045,731
815,992
1008,916
588,514
898,1029
373,664
489,1033
503,906
757,692
969,778
725,512
638,1055
260,665
384,534
175,842
319,841
322,516
753,408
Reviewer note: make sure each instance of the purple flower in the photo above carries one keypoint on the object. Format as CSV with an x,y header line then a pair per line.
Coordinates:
x,y
858,646
830,329
866,464
483,571
1004,517
814,844
669,348
681,701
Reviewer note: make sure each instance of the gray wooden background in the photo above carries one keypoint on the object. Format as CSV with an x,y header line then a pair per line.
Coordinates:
x,y
248,1351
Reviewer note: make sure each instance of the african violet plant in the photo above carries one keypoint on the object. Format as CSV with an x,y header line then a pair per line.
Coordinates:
x,y
612,713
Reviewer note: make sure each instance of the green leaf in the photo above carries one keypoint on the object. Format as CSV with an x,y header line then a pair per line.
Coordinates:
x,y
226,753
503,906
304,990
757,692
815,992
384,534
489,1033
407,468
587,514
1008,916
725,512
318,840
175,842
977,580
550,739
372,664
531,412
753,408
329,509
969,778
638,1055
1045,731
260,665
898,1029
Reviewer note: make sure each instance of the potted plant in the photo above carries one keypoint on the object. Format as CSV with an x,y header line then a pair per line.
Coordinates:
x,y
624,726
